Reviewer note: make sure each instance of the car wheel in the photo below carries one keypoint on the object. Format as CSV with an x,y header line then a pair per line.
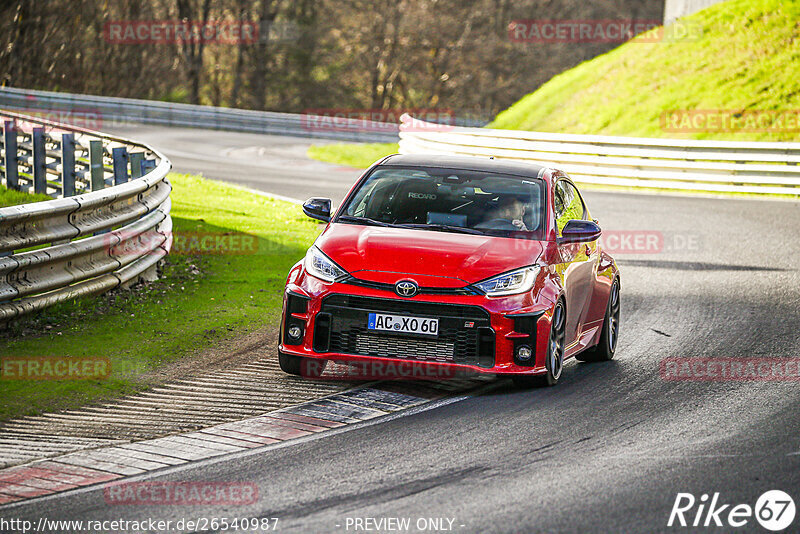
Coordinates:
x,y
297,365
605,349
554,363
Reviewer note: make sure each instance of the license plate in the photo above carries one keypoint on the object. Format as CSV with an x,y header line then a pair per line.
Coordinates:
x,y
402,324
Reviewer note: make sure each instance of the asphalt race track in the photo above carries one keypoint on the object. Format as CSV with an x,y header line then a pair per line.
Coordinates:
x,y
276,164
607,450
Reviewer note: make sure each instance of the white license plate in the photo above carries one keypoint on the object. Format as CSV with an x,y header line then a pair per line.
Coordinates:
x,y
403,324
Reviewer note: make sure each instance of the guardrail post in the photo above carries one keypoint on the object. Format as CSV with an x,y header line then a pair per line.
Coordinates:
x,y
65,266
137,169
96,165
68,165
120,156
10,140
39,161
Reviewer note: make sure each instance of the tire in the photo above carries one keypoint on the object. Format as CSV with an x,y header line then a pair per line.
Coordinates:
x,y
299,366
604,350
554,363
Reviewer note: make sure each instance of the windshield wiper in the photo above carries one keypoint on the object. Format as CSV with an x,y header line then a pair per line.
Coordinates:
x,y
444,228
363,220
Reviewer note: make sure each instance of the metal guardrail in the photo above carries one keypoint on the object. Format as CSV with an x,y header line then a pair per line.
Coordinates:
x,y
712,166
124,110
109,224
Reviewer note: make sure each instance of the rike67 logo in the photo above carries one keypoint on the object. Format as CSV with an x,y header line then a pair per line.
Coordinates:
x,y
774,510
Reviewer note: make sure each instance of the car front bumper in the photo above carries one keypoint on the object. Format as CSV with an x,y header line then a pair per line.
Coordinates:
x,y
477,334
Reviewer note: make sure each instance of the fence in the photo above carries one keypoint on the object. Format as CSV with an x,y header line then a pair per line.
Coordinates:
x,y
128,110
711,166
109,224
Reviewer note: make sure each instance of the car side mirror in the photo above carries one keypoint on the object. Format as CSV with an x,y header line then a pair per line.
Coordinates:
x,y
578,231
318,208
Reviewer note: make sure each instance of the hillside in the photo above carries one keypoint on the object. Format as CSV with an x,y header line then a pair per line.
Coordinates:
x,y
748,58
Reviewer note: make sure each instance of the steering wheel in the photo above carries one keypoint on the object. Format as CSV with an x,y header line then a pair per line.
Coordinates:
x,y
496,224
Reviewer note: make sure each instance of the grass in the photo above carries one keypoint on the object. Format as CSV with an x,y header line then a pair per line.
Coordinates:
x,y
748,58
199,301
358,155
9,197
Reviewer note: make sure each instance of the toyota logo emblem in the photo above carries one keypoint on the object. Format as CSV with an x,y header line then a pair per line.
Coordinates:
x,y
406,288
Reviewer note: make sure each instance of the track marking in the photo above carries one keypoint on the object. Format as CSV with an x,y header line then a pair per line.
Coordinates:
x,y
186,405
94,466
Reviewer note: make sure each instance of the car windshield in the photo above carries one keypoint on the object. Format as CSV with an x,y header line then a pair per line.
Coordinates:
x,y
449,200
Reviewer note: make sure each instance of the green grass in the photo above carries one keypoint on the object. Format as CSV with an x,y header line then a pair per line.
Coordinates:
x,y
358,155
748,58
200,301
9,197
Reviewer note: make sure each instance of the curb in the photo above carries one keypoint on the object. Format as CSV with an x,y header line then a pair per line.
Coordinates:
x,y
94,466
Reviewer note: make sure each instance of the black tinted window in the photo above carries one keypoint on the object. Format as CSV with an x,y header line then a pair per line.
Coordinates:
x,y
480,202
567,204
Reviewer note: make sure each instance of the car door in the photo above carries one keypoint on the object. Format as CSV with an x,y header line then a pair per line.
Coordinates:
x,y
577,260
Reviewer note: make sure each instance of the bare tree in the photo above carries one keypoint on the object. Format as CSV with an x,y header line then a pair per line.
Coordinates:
x,y
347,53
199,12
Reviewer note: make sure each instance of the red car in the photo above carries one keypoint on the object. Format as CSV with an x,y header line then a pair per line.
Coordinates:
x,y
455,263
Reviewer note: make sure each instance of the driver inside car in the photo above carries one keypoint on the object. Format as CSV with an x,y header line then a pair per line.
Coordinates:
x,y
511,209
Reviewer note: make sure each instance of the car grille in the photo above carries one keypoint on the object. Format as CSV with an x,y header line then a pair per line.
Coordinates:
x,y
410,349
468,290
342,328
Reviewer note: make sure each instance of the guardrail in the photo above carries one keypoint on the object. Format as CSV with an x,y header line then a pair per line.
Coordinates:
x,y
712,166
193,116
108,226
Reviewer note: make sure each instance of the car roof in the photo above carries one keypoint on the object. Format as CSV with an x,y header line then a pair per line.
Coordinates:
x,y
467,163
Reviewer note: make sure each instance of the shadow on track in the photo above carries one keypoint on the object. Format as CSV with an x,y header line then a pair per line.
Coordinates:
x,y
696,266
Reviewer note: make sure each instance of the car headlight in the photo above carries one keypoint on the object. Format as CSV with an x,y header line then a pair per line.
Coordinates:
x,y
321,266
512,283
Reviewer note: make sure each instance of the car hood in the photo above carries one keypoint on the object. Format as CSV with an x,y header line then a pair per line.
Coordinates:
x,y
430,258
